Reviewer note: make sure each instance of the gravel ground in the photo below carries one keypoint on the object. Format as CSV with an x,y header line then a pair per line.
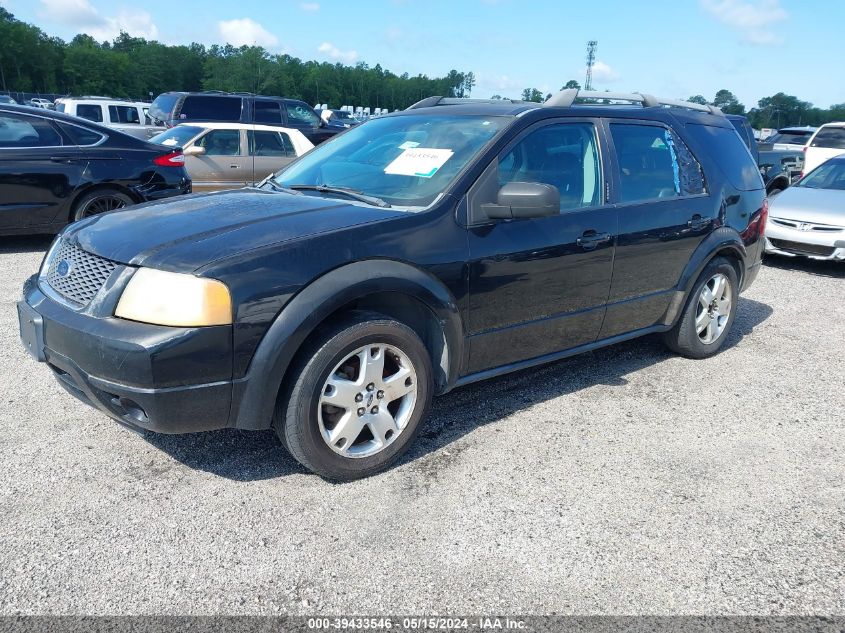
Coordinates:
x,y
621,481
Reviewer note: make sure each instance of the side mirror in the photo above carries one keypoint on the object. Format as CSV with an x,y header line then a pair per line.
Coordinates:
x,y
524,200
194,150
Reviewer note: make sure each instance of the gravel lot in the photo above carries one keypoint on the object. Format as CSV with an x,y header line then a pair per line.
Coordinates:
x,y
622,481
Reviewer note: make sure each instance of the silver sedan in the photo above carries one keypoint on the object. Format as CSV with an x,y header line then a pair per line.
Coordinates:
x,y
808,219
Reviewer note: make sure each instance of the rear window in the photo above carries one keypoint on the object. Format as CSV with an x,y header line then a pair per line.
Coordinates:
x,y
727,150
830,138
790,138
176,136
90,112
124,114
162,108
208,108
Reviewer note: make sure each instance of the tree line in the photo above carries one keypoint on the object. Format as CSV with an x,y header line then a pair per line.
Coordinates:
x,y
133,67
776,111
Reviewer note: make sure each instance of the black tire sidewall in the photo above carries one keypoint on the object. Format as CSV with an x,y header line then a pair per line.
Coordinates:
x,y
301,429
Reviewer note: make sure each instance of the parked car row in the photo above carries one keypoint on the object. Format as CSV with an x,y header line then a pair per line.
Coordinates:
x,y
131,117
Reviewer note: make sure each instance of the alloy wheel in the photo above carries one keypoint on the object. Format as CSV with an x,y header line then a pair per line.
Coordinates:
x,y
714,309
367,400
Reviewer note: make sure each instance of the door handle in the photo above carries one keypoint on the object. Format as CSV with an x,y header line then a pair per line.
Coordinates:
x,y
60,159
591,239
696,223
234,166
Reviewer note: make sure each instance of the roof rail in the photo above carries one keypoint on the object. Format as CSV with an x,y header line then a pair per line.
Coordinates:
x,y
429,102
425,103
566,98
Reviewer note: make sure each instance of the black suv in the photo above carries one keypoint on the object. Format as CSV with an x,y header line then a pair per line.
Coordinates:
x,y
172,108
418,252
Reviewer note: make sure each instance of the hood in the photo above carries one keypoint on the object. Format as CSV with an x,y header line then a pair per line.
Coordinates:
x,y
185,233
805,204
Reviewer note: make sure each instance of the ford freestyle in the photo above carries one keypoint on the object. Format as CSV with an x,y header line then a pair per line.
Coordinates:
x,y
418,252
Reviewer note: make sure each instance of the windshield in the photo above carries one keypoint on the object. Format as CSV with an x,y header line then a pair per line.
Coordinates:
x,y
829,175
791,138
407,161
178,135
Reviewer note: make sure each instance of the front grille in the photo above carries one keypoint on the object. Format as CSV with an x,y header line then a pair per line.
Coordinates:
x,y
802,249
77,275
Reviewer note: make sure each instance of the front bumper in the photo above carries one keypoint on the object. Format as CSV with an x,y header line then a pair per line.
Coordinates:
x,y
812,243
147,377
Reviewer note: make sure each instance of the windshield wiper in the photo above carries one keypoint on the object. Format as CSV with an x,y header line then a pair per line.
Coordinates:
x,y
351,193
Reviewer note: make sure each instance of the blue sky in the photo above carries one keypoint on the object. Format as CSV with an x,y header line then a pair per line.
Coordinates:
x,y
671,48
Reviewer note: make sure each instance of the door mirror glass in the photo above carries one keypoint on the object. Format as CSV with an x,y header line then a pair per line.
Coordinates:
x,y
524,200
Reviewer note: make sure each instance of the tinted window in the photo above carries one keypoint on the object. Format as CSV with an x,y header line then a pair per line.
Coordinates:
x,y
23,131
564,156
80,135
124,114
265,143
162,108
792,138
60,107
730,153
268,112
830,137
221,143
301,114
655,163
90,112
208,108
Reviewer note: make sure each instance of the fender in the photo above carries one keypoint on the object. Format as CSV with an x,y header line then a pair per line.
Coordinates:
x,y
718,241
254,395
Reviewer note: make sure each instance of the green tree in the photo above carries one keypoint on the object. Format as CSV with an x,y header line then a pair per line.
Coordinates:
x,y
728,103
532,94
571,84
699,99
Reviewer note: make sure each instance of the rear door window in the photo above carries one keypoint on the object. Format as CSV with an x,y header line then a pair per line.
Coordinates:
x,y
211,108
18,131
266,143
728,151
268,112
830,138
90,111
80,135
654,163
124,114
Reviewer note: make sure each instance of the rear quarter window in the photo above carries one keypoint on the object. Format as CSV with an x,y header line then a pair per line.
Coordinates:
x,y
729,152
208,108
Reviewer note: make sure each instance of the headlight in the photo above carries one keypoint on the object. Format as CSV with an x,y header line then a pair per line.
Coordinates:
x,y
175,299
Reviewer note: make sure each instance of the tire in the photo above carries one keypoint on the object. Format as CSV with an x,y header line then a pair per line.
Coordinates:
x,y
100,201
687,337
361,364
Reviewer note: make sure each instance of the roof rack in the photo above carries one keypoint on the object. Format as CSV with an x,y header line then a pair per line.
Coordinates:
x,y
429,102
567,98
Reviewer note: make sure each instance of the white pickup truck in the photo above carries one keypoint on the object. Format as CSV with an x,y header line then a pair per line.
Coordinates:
x,y
130,117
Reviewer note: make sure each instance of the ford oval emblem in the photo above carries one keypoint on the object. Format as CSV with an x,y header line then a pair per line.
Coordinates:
x,y
63,269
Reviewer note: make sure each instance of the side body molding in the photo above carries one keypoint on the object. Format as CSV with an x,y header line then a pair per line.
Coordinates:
x,y
254,395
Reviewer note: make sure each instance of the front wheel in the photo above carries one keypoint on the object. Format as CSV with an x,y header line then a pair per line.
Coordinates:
x,y
357,397
706,320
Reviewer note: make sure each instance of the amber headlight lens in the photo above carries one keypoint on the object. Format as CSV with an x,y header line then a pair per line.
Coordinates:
x,y
175,299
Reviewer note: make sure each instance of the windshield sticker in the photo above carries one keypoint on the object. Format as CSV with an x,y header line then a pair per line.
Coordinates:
x,y
409,145
419,161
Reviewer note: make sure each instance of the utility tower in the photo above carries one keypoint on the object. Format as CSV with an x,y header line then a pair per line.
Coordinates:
x,y
591,60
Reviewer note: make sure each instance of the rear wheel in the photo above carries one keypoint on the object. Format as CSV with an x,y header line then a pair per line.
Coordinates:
x,y
100,201
706,320
357,397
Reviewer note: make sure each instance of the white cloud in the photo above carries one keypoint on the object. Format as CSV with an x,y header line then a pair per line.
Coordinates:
x,y
310,6
603,72
332,51
246,32
80,14
753,19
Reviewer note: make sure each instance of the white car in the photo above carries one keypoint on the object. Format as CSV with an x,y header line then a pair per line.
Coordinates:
x,y
233,155
808,219
129,117
38,102
827,142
